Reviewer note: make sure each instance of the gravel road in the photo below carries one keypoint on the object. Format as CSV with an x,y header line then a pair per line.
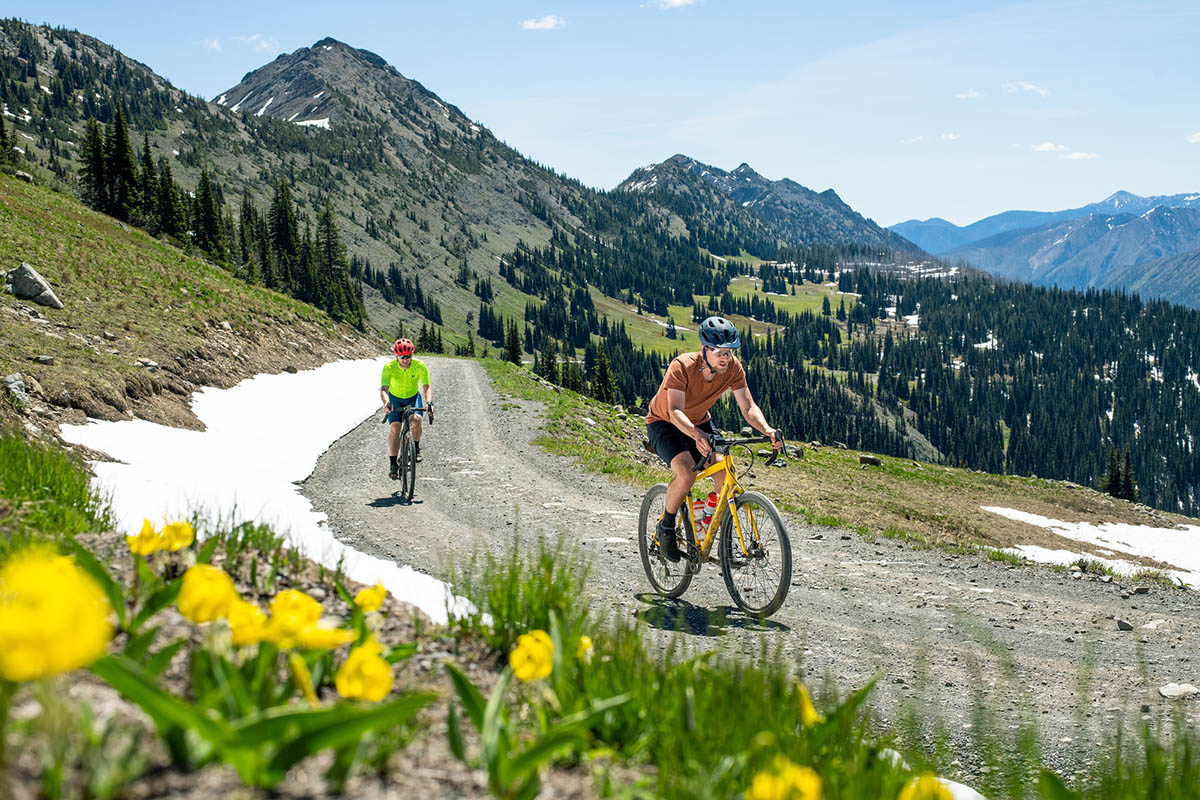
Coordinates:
x,y
943,634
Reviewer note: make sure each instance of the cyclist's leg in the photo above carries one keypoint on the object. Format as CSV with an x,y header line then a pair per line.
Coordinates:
x,y
395,419
418,416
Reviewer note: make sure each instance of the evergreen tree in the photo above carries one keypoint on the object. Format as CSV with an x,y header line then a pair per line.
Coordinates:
x,y
170,203
207,219
512,343
5,147
120,171
284,231
545,361
1111,482
335,292
92,180
604,385
1128,488
147,194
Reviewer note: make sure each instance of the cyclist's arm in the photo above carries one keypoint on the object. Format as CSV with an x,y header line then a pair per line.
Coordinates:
x,y
383,395
753,414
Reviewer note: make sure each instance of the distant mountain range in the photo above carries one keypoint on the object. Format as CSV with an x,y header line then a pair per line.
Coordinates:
x,y
1149,245
938,236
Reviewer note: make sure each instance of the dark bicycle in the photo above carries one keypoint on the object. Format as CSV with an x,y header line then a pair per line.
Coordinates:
x,y
406,461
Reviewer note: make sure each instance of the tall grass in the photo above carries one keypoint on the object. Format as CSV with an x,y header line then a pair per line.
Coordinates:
x,y
44,494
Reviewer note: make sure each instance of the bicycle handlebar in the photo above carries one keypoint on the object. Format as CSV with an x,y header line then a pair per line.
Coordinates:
x,y
720,445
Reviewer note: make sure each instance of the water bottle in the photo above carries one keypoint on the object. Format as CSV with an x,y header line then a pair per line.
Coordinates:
x,y
698,517
710,508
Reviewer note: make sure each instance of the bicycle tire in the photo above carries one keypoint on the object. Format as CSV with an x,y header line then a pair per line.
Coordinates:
x,y
758,576
668,579
408,465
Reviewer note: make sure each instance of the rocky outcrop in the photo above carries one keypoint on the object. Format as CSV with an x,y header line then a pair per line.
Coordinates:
x,y
29,285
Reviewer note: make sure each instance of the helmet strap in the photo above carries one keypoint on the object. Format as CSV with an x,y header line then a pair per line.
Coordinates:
x,y
704,355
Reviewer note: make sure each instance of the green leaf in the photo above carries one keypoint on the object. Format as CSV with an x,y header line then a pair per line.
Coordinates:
x,y
345,732
167,711
545,749
472,698
158,662
112,589
204,554
1051,787
493,730
155,603
145,574
139,644
401,652
457,745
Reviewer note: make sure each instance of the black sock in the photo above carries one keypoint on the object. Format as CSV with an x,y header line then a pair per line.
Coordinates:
x,y
668,520
391,461
418,446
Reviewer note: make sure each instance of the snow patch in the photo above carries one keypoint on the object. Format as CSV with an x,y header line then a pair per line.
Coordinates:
x,y
1179,547
317,96
239,104
221,100
316,123
264,108
245,463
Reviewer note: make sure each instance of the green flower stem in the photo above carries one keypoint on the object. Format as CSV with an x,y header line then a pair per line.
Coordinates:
x,y
7,690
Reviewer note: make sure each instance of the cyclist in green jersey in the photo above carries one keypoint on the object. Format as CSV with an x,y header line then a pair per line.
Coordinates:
x,y
401,386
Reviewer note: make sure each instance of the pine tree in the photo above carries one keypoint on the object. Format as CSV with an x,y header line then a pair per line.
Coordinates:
x,y
1111,483
147,194
604,385
207,218
284,231
1128,488
5,147
92,181
170,204
335,292
512,343
120,170
545,363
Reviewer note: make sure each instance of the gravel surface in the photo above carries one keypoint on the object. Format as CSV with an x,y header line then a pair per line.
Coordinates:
x,y
943,634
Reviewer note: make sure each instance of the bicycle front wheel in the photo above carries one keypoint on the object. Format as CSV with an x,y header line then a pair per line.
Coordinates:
x,y
668,579
408,466
757,567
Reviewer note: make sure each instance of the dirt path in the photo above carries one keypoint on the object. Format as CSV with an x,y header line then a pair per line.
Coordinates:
x,y
944,634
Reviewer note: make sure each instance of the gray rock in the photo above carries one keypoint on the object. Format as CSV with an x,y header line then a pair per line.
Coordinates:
x,y
147,363
24,176
226,326
1122,625
47,360
1177,690
1141,590
289,369
29,285
874,461
16,389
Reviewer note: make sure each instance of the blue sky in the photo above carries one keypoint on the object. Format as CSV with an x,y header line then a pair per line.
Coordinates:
x,y
916,109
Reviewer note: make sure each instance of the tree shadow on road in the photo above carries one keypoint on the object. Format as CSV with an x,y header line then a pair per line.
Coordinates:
x,y
393,500
684,617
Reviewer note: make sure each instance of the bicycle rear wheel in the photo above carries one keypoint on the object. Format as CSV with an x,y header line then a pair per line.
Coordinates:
x,y
668,579
407,461
759,574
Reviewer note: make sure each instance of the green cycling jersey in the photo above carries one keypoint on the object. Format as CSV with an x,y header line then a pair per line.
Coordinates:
x,y
403,382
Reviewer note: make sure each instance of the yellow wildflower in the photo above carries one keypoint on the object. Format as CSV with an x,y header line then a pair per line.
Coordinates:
x,y
316,638
303,677
808,712
372,598
583,651
248,622
365,675
147,540
53,616
178,535
785,781
533,657
206,593
926,787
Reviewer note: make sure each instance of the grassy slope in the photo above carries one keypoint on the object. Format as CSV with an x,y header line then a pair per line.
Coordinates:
x,y
129,297
923,502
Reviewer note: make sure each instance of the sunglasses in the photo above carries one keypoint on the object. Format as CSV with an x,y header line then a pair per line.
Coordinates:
x,y
404,358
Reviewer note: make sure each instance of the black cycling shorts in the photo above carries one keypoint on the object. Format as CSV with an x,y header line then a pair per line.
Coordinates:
x,y
668,441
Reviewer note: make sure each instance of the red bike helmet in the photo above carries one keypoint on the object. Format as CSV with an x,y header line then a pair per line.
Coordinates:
x,y
403,347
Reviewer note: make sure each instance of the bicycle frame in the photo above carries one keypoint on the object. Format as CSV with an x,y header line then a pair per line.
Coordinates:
x,y
729,489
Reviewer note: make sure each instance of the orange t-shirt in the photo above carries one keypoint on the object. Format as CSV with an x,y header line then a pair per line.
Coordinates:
x,y
684,373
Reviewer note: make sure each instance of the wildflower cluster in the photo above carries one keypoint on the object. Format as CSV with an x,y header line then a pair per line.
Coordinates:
x,y
785,781
533,657
173,537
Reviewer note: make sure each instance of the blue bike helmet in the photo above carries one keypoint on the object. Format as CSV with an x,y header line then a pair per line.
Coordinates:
x,y
719,332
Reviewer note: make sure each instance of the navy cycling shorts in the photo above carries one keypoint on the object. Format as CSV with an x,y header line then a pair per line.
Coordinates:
x,y
400,402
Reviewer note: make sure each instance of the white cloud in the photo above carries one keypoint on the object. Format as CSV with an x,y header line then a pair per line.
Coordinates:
x,y
1081,156
911,140
1023,86
1194,138
667,5
1050,147
259,42
547,23
212,44
950,137
969,94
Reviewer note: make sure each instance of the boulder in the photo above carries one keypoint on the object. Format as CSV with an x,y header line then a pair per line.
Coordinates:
x,y
29,285
874,461
16,389
24,176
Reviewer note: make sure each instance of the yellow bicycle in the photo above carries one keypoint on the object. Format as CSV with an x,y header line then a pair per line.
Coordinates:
x,y
755,553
